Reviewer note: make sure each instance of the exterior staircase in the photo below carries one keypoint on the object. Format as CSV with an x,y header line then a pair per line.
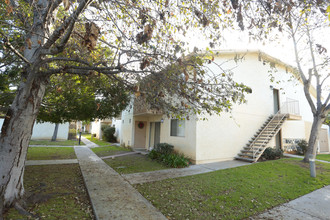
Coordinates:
x,y
257,145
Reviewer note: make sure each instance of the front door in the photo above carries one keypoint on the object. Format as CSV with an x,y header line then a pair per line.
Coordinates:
x,y
140,134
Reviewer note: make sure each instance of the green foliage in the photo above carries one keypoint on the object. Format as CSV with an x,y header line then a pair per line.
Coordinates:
x,y
109,150
71,98
108,134
236,193
165,154
164,148
134,164
302,147
272,154
95,140
50,153
325,157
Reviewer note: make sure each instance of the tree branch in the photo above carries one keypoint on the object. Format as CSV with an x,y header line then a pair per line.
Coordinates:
x,y
77,60
318,85
303,77
67,26
10,46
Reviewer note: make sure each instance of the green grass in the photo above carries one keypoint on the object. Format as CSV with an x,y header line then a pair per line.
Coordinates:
x,y
235,193
50,153
325,157
58,143
134,164
54,192
110,150
96,141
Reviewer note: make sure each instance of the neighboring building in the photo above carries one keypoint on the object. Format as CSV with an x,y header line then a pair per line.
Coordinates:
x,y
223,137
45,130
96,126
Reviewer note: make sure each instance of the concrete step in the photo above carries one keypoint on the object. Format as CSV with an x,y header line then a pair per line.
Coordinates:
x,y
245,159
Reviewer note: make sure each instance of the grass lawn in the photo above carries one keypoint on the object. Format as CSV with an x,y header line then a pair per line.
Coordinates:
x,y
110,150
323,157
96,141
58,143
235,193
54,192
134,164
50,153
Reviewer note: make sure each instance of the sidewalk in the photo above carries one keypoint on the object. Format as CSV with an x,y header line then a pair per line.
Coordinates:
x,y
158,175
297,156
111,196
315,205
88,143
50,162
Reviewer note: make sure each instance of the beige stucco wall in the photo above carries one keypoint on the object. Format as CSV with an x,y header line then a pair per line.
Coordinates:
x,y
221,138
186,144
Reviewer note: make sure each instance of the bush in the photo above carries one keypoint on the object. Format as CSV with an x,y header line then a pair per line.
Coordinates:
x,y
272,154
72,134
164,148
108,134
165,154
302,147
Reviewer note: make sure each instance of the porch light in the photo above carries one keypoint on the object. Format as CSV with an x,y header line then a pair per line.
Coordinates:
x,y
162,120
271,87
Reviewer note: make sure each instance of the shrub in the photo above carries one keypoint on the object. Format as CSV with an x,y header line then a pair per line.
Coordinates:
x,y
272,154
72,134
302,147
108,134
175,160
165,154
164,148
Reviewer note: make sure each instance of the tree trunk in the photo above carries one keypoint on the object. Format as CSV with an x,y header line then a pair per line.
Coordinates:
x,y
15,136
312,143
55,132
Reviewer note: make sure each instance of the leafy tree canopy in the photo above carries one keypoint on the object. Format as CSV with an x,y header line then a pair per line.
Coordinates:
x,y
71,98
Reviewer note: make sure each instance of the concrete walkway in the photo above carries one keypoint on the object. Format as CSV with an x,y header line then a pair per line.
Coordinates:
x,y
145,177
297,156
50,162
88,143
49,146
111,196
315,205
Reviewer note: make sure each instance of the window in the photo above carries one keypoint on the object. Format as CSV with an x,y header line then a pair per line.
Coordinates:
x,y
177,127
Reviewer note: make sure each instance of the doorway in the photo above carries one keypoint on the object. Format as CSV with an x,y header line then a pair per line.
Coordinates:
x,y
140,134
154,137
278,140
276,98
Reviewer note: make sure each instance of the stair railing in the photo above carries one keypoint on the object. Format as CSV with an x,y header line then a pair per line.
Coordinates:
x,y
278,116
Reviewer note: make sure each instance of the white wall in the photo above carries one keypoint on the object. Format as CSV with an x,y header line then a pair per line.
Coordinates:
x,y
45,130
117,124
221,138
127,126
96,128
186,144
